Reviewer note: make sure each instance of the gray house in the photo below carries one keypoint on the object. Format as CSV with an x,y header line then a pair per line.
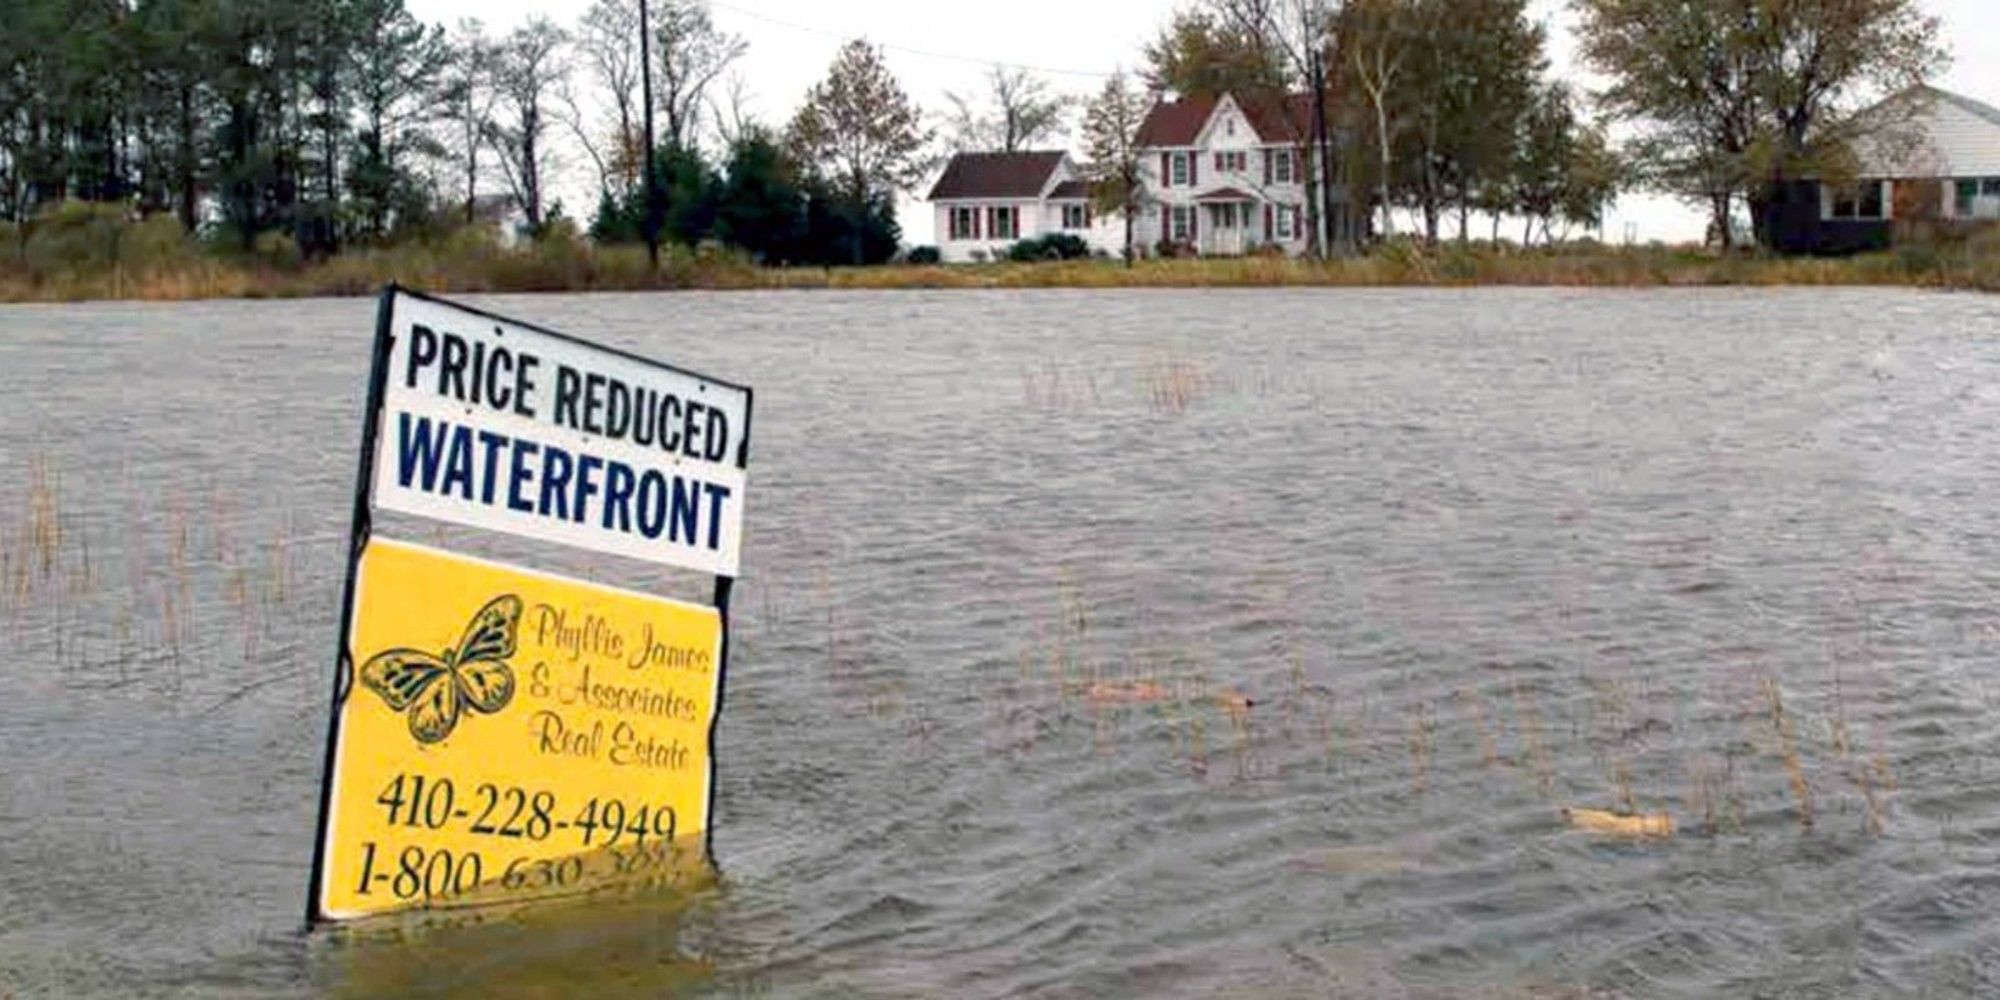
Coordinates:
x,y
1928,160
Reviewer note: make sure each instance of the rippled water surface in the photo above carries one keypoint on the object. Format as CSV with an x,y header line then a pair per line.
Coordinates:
x,y
1096,644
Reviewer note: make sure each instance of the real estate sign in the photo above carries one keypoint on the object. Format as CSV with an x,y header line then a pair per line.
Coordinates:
x,y
498,425
500,733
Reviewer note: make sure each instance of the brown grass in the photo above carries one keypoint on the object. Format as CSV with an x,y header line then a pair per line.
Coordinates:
x,y
469,262
1788,751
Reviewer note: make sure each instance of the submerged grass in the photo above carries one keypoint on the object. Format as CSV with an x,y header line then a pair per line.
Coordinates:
x,y
163,267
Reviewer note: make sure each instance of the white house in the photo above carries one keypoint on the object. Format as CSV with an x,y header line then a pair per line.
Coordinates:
x,y
1222,177
1227,176
985,202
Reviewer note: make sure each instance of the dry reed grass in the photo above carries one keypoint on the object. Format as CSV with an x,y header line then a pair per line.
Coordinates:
x,y
1788,752
473,263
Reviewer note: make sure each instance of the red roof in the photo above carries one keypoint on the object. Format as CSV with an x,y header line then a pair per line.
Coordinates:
x,y
997,175
1179,123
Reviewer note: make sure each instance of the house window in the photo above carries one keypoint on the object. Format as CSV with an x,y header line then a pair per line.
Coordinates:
x,y
1180,162
1229,126
1978,198
1237,161
1004,223
1075,217
1283,217
1281,166
1861,201
961,223
1180,227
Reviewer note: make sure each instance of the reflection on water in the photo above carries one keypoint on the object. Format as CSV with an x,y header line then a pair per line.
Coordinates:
x,y
1276,643
606,945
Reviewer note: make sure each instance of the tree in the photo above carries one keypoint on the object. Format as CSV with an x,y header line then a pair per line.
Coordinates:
x,y
1547,142
1469,77
1564,168
470,98
1374,39
761,207
1741,97
1022,113
607,41
859,132
530,66
172,45
689,53
1592,177
1111,134
1202,55
398,94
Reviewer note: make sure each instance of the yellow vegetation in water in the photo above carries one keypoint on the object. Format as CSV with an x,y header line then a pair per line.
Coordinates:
x,y
1135,692
1639,826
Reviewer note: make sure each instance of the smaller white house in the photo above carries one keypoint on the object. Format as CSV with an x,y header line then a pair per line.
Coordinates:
x,y
986,202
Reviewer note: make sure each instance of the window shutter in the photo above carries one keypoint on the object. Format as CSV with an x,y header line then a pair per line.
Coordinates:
x,y
1166,170
1194,178
1194,224
975,222
1297,229
1270,223
1267,168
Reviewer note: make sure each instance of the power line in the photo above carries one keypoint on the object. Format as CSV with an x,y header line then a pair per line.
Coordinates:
x,y
908,50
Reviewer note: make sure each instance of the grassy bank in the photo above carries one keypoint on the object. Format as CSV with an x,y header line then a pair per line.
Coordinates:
x,y
151,260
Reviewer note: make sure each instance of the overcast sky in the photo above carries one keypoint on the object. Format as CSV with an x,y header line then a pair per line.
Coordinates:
x,y
938,47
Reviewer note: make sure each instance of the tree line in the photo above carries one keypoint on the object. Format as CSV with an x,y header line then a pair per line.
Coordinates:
x,y
340,122
1444,108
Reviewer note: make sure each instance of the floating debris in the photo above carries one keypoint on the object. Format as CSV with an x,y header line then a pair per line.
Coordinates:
x,y
1638,826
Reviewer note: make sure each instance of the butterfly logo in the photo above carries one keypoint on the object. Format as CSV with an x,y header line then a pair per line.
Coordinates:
x,y
474,676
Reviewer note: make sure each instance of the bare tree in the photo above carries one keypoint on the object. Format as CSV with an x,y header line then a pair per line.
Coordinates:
x,y
1111,132
1020,113
690,52
470,97
530,68
607,46
733,120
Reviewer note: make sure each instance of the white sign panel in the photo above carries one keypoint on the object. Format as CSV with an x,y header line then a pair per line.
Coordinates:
x,y
496,425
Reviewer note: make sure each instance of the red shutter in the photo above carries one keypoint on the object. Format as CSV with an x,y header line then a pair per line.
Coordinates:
x,y
975,223
1267,168
1270,221
1194,224
1166,170
1194,175
1297,228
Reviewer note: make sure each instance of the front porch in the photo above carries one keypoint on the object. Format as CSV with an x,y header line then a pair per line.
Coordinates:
x,y
1227,217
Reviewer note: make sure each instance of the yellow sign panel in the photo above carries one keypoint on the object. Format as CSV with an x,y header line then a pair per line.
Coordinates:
x,y
510,734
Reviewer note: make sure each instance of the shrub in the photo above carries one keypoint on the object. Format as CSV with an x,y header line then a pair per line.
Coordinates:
x,y
1052,246
923,255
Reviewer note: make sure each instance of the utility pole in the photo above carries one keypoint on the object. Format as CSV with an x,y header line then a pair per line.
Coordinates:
x,y
651,224
1322,150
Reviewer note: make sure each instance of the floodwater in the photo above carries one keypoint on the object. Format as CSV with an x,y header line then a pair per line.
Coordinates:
x,y
1095,644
